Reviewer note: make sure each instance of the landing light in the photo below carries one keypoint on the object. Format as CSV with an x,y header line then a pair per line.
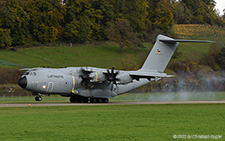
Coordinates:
x,y
44,86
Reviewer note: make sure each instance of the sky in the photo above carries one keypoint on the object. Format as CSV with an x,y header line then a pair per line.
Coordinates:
x,y
220,4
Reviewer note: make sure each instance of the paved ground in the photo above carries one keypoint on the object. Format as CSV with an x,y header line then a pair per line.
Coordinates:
x,y
111,103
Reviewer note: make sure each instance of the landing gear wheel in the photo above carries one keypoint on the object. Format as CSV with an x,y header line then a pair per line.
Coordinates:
x,y
100,100
93,100
105,100
73,99
85,99
38,98
79,99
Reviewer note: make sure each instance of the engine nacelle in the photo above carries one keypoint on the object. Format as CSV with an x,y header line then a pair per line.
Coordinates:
x,y
97,76
124,78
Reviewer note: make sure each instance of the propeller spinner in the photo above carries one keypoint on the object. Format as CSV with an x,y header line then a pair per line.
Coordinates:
x,y
85,76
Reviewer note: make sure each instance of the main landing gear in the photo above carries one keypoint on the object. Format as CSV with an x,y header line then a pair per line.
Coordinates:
x,y
81,99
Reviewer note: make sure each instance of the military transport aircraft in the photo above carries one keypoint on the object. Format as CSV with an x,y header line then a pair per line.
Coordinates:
x,y
84,84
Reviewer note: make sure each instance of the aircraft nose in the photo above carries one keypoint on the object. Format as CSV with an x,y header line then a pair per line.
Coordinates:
x,y
22,82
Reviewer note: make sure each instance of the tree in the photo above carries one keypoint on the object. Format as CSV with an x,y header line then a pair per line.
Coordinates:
x,y
181,13
46,19
203,12
221,58
121,33
46,33
135,11
78,31
5,38
15,18
211,58
223,14
106,16
83,18
160,14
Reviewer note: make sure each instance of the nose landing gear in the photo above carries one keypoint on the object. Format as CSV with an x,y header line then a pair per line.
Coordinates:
x,y
38,98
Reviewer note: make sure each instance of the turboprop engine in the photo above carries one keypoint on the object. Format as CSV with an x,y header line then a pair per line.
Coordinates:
x,y
124,78
97,76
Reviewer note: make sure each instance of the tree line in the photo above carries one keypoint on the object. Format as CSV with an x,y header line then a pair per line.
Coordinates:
x,y
196,12
26,21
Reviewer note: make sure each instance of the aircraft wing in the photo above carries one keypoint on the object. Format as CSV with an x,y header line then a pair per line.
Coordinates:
x,y
148,74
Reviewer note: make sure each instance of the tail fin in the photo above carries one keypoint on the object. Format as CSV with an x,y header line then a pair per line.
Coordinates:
x,y
162,52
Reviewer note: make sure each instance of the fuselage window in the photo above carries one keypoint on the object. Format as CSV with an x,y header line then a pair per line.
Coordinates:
x,y
35,73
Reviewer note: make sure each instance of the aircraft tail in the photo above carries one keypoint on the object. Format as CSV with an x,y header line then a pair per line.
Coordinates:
x,y
162,52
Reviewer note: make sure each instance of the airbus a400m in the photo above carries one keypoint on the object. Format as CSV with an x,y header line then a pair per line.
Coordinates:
x,y
96,85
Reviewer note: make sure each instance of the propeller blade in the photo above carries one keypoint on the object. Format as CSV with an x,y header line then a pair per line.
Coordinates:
x,y
111,77
113,70
112,88
108,71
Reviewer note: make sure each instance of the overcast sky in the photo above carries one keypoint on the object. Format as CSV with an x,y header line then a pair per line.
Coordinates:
x,y
220,4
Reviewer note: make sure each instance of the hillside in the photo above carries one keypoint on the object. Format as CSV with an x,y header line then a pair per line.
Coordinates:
x,y
108,55
88,55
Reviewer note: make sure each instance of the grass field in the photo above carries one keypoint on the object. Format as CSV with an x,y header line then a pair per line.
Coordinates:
x,y
131,97
98,56
89,55
193,51
199,30
10,99
111,122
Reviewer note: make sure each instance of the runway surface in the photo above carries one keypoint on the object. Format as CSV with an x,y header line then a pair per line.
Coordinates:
x,y
110,103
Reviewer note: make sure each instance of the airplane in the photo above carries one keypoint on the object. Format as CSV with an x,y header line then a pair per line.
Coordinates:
x,y
97,85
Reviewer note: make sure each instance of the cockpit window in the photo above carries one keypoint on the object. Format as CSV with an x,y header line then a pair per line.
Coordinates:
x,y
33,74
26,73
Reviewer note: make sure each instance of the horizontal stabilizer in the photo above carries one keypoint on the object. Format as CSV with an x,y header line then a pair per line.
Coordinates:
x,y
146,74
188,41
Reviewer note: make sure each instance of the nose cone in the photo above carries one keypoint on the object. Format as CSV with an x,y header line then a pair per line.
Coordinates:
x,y
22,82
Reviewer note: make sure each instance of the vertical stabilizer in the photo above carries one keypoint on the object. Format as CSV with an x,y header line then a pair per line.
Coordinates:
x,y
160,54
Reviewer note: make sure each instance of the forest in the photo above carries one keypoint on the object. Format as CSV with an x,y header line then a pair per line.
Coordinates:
x,y
30,22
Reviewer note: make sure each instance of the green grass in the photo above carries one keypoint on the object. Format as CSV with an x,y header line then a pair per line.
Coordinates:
x,y
29,99
92,55
111,122
171,96
143,97
96,56
193,51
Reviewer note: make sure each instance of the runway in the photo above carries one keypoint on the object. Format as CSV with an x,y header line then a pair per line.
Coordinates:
x,y
110,103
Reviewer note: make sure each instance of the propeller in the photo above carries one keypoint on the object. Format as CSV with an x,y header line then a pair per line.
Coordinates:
x,y
85,76
111,77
